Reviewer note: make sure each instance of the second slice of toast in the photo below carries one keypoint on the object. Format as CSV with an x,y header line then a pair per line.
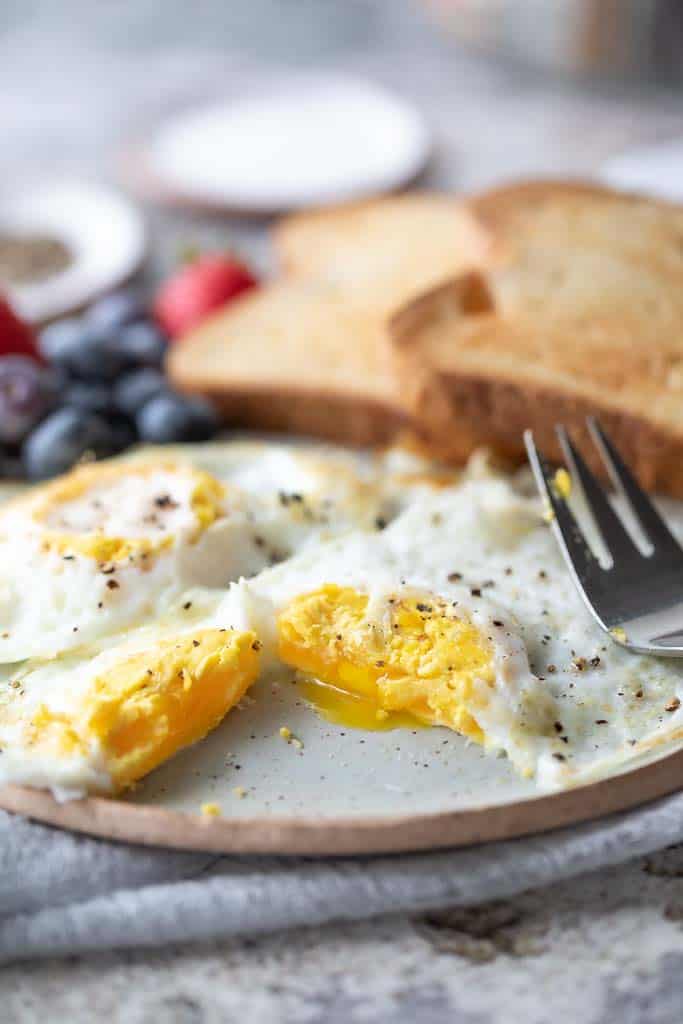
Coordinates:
x,y
382,252
583,315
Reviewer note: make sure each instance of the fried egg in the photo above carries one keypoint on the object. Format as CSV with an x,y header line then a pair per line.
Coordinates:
x,y
398,594
113,544
97,719
355,619
462,614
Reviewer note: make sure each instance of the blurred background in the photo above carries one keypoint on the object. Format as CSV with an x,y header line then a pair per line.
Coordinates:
x,y
134,131
502,86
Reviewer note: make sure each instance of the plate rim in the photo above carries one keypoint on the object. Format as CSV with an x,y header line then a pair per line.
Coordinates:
x,y
150,825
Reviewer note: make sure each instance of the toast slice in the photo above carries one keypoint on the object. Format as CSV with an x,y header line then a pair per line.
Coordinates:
x,y
383,252
583,315
296,357
311,354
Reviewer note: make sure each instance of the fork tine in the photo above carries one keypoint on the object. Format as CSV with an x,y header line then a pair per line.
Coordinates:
x,y
613,533
577,554
642,508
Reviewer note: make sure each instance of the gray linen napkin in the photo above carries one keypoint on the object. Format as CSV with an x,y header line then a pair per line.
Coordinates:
x,y
61,893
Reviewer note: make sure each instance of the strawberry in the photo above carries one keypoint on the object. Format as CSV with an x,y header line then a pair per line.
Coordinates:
x,y
197,289
16,337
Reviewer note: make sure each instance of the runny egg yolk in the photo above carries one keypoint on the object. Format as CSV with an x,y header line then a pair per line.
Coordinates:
x,y
422,659
149,704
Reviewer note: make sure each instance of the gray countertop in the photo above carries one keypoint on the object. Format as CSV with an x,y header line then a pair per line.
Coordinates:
x,y
76,79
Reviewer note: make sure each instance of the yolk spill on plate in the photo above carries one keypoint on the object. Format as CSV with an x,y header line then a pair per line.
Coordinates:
x,y
343,708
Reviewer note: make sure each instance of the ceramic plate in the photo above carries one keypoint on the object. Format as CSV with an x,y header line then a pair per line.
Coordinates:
x,y
344,791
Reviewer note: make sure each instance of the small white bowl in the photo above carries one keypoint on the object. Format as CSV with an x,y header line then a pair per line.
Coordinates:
x,y
103,232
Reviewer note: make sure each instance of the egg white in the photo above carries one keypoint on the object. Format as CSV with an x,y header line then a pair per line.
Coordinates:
x,y
486,544
277,500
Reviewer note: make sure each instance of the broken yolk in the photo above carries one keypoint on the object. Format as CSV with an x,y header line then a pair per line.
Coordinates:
x,y
152,703
421,661
355,712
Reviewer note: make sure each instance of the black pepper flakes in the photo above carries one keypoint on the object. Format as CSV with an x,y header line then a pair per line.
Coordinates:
x,y
112,585
454,577
165,501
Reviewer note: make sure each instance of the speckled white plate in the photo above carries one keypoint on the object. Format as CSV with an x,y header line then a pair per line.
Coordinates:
x,y
345,791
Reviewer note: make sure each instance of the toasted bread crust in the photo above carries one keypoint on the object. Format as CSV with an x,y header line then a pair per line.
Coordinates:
x,y
457,412
495,206
340,417
483,411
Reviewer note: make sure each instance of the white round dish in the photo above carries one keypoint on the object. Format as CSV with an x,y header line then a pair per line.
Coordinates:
x,y
104,233
308,139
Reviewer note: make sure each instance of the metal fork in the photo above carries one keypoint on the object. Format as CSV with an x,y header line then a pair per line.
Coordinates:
x,y
638,598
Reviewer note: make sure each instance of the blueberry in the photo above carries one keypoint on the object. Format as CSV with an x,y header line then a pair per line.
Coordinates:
x,y
143,344
170,417
59,337
63,438
118,309
83,349
137,387
26,395
90,395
